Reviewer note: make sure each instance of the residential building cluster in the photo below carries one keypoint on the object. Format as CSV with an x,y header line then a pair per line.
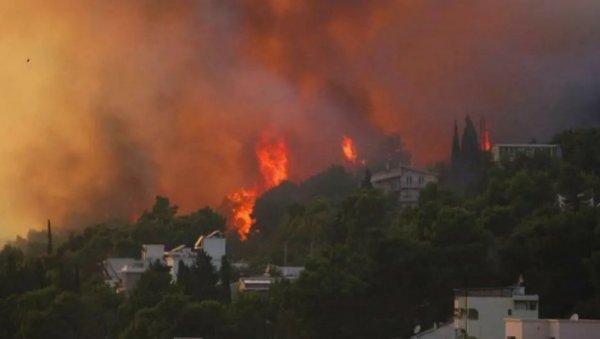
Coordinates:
x,y
499,313
124,273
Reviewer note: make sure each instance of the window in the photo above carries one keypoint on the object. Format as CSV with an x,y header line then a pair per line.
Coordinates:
x,y
473,314
421,179
524,305
509,312
511,337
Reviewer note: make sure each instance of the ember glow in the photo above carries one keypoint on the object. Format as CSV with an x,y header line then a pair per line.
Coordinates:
x,y
349,150
272,156
487,143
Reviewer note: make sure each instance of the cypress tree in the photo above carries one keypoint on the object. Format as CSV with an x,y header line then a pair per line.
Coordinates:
x,y
366,183
203,279
225,279
455,146
49,250
183,277
471,150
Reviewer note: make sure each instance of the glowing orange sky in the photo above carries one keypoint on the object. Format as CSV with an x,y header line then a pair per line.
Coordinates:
x,y
121,101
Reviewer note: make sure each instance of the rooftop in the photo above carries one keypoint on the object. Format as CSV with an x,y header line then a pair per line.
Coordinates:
x,y
492,292
397,171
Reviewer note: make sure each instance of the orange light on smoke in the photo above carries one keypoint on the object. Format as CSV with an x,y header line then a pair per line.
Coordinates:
x,y
349,150
272,156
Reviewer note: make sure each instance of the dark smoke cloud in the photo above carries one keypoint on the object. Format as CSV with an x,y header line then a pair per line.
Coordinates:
x,y
426,63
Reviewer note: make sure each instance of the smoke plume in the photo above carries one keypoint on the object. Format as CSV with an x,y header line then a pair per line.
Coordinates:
x,y
105,103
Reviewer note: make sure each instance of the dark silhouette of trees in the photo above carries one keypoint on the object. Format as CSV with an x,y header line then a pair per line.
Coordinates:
x,y
225,277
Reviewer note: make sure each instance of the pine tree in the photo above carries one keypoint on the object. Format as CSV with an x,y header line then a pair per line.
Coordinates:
x,y
183,276
471,149
49,250
203,279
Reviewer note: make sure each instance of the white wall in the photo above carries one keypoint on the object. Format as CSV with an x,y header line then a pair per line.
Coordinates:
x,y
444,332
215,248
548,328
492,312
151,253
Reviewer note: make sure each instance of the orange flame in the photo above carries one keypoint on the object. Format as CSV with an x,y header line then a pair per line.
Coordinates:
x,y
349,149
272,160
487,144
241,215
273,164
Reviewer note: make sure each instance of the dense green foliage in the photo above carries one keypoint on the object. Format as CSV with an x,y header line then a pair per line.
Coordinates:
x,y
372,270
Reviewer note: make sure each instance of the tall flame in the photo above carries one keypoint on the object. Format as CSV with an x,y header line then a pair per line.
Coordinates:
x,y
272,160
272,156
349,149
241,215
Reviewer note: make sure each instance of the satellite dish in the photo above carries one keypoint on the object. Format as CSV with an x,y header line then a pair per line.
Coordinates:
x,y
575,316
417,329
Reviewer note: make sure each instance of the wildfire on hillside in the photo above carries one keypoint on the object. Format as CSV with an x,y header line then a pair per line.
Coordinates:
x,y
349,150
272,156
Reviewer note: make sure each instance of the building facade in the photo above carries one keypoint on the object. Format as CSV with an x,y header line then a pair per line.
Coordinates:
x,y
214,245
510,151
552,328
480,312
124,273
403,183
445,331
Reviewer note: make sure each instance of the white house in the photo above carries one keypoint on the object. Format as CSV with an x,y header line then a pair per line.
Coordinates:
x,y
153,253
445,331
403,182
179,254
481,312
287,272
510,151
214,245
273,273
552,328
130,275
124,273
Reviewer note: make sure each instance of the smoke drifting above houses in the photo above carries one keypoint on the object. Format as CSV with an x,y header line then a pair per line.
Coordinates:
x,y
105,104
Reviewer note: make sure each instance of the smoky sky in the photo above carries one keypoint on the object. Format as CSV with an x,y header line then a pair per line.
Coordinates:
x,y
121,101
